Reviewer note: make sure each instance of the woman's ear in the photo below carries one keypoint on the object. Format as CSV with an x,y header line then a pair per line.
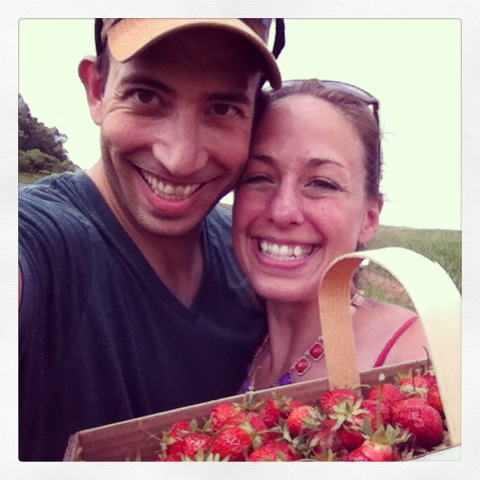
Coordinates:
x,y
370,220
87,72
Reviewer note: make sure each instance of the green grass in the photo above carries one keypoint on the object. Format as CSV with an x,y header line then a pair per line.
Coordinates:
x,y
441,246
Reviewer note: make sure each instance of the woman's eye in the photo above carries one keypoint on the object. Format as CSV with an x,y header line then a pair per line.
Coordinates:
x,y
224,110
324,184
255,179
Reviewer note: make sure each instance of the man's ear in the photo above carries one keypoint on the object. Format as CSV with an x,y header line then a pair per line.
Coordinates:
x,y
370,220
87,72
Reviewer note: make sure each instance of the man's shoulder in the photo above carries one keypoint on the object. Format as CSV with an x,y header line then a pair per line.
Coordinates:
x,y
53,186
221,217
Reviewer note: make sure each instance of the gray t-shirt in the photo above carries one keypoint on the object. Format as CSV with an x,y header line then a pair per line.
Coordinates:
x,y
101,339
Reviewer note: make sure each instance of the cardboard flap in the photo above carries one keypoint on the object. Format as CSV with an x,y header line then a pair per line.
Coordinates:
x,y
437,302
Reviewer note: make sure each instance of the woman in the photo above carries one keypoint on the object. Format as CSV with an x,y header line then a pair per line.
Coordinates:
x,y
310,193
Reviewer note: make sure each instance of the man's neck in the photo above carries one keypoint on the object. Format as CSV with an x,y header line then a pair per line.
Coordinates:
x,y
177,261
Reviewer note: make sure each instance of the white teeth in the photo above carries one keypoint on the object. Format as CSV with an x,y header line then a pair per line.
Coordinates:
x,y
284,252
170,191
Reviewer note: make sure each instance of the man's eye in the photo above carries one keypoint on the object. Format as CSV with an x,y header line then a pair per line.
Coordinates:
x,y
224,109
144,96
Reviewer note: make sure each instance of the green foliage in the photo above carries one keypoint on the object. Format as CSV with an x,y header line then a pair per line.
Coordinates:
x,y
34,161
40,148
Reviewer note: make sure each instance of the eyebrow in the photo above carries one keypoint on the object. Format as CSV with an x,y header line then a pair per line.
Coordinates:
x,y
312,162
136,79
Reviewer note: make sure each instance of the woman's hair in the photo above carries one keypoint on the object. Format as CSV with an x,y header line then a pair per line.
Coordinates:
x,y
356,110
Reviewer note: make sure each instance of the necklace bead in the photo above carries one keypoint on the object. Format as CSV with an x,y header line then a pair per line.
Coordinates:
x,y
300,366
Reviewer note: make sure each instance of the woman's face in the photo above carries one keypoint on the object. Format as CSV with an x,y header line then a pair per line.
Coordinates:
x,y
301,201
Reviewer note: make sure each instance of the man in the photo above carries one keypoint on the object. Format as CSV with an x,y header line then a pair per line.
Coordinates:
x,y
130,300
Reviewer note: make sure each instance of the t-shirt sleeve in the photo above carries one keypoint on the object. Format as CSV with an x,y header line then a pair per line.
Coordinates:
x,y
53,255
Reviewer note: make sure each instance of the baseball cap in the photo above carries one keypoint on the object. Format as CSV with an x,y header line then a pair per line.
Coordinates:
x,y
127,37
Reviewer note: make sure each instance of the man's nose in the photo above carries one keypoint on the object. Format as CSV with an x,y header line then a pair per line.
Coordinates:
x,y
286,205
181,148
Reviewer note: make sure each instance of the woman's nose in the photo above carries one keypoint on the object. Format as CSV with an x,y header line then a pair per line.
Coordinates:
x,y
286,206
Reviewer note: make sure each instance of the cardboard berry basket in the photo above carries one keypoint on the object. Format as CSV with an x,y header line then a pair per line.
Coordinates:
x,y
438,305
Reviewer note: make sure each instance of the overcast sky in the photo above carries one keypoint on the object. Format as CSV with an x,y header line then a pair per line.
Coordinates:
x,y
412,66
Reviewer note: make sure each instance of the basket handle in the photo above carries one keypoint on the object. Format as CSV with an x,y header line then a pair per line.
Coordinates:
x,y
438,305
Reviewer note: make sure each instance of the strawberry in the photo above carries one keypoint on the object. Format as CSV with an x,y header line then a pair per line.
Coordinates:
x,y
350,421
232,442
225,414
332,398
434,400
379,447
350,437
172,441
370,407
370,451
422,420
323,440
407,401
388,393
302,418
195,442
271,412
256,421
274,452
416,384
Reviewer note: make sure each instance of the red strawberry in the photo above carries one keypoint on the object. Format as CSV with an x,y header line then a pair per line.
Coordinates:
x,y
225,414
422,420
232,442
417,385
195,442
389,394
370,406
407,401
323,440
370,452
173,438
333,398
270,412
434,400
273,452
302,418
350,437
380,447
256,421
349,420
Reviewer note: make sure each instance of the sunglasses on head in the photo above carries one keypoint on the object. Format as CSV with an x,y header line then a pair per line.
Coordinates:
x,y
357,92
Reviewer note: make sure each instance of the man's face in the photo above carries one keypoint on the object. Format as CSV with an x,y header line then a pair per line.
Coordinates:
x,y
175,125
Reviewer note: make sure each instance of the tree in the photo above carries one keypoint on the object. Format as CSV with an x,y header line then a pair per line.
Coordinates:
x,y
40,148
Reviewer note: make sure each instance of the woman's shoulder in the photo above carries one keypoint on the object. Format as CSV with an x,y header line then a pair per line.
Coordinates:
x,y
386,314
393,329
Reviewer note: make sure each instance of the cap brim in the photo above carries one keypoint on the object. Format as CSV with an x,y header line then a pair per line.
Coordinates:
x,y
131,36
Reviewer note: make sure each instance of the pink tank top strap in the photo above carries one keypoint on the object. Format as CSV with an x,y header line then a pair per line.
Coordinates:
x,y
383,355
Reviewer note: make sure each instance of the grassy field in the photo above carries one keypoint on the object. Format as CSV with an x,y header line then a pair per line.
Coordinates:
x,y
441,246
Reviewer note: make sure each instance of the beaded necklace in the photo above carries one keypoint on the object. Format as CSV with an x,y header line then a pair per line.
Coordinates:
x,y
313,354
